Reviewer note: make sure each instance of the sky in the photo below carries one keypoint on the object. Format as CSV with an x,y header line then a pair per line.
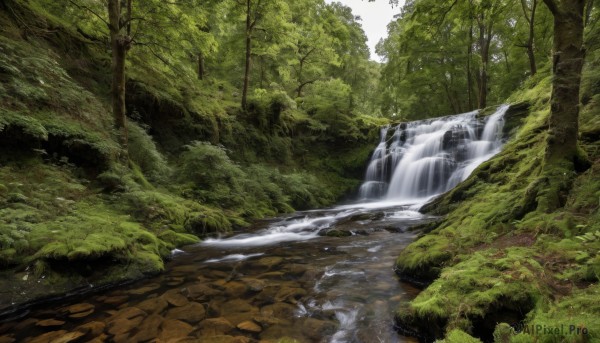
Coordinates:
x,y
375,17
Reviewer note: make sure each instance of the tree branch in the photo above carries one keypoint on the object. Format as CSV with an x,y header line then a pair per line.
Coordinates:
x,y
89,10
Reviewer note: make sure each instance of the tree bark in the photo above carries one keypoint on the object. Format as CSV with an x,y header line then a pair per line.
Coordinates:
x,y
120,42
561,155
469,75
485,39
248,53
530,46
201,70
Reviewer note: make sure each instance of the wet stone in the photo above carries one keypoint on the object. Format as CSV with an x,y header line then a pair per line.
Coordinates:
x,y
154,305
249,326
173,329
94,328
48,337
291,295
200,291
191,313
268,262
125,320
78,308
215,327
174,298
148,329
237,318
228,339
144,290
254,285
235,289
7,339
317,329
266,321
50,322
116,300
278,310
237,306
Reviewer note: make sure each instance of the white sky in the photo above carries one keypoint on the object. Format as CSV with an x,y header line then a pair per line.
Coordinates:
x,y
375,17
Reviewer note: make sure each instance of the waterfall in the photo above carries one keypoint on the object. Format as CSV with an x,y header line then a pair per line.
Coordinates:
x,y
428,157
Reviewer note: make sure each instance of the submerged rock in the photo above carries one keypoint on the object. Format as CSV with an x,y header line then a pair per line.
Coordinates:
x,y
249,326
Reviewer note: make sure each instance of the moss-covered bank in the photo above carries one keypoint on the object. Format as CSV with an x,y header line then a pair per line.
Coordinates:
x,y
495,267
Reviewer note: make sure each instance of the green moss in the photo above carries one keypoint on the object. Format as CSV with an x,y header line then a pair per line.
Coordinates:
x,y
458,336
423,258
484,283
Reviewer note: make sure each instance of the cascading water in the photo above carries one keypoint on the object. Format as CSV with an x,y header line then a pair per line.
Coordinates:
x,y
429,157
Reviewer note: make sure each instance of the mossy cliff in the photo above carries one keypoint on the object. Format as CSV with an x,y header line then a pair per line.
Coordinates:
x,y
494,266
72,214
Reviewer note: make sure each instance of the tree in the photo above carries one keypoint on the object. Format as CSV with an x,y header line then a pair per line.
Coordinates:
x,y
561,156
529,9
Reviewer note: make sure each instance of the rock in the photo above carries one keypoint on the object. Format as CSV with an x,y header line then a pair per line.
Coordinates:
x,y
191,313
278,310
249,326
81,314
50,322
266,321
268,262
153,305
267,296
338,233
254,285
236,318
116,300
227,339
143,290
175,281
272,276
68,337
291,294
125,320
94,328
173,329
148,329
25,324
237,306
174,298
200,291
48,337
78,308
215,327
295,269
100,339
185,269
317,329
7,339
235,289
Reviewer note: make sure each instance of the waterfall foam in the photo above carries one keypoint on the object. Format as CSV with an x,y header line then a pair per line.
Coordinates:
x,y
428,157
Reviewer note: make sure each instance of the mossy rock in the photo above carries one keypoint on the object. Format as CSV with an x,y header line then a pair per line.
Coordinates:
x,y
421,262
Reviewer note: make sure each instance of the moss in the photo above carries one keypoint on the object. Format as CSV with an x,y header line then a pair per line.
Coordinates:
x,y
475,290
422,260
458,336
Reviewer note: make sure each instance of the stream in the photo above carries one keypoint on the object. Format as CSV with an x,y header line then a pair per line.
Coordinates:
x,y
279,280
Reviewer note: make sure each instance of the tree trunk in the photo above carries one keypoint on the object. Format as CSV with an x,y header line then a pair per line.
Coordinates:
x,y
201,66
119,46
530,17
248,54
561,156
469,75
484,52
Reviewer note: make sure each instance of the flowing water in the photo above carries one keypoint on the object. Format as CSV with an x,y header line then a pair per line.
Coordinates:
x,y
315,276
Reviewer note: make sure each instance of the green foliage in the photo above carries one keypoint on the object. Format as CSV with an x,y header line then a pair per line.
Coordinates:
x,y
143,151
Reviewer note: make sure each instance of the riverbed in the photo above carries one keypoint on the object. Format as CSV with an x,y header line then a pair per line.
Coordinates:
x,y
316,276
